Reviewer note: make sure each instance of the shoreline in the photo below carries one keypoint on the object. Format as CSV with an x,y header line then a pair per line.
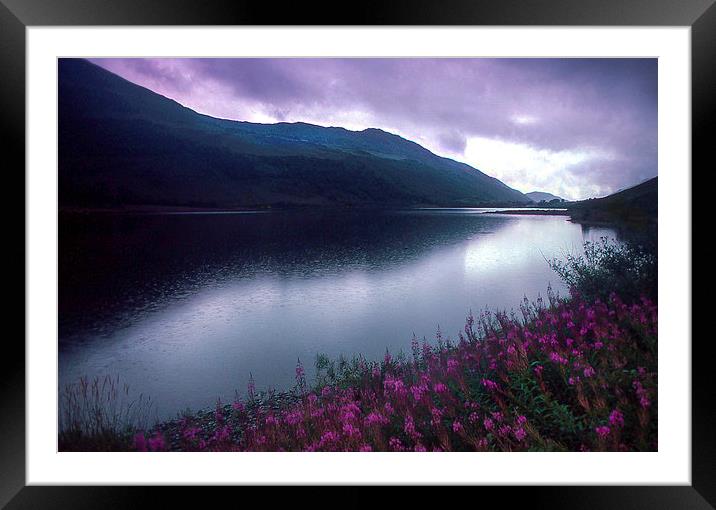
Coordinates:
x,y
382,406
509,209
533,212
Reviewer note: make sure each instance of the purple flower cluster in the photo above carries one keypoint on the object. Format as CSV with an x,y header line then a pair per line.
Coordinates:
x,y
542,382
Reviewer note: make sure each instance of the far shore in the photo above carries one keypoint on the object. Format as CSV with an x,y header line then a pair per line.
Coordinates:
x,y
532,211
164,209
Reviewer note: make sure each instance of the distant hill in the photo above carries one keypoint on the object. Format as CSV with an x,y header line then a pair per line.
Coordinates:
x,y
121,145
638,204
539,196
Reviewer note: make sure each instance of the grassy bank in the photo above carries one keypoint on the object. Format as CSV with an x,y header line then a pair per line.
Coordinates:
x,y
568,374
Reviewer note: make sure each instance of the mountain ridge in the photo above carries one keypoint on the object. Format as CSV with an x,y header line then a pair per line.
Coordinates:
x,y
538,196
122,145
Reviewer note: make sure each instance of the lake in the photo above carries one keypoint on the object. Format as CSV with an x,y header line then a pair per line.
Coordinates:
x,y
183,307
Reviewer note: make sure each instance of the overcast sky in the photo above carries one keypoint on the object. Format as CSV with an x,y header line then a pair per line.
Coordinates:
x,y
577,128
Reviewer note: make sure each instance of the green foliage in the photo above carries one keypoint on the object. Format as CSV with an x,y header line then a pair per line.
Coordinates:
x,y
343,373
608,267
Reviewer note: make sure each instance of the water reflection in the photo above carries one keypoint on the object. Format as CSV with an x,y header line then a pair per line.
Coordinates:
x,y
185,307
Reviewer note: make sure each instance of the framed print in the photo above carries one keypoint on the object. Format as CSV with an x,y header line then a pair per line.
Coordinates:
x,y
433,246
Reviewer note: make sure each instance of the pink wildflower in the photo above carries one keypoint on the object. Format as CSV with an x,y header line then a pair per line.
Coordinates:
x,y
350,431
393,386
409,428
439,388
490,385
418,392
642,394
616,418
293,418
396,445
222,434
437,416
190,433
156,443
602,431
140,442
558,359
328,438
375,419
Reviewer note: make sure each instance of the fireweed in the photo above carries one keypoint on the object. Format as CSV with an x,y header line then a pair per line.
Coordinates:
x,y
572,375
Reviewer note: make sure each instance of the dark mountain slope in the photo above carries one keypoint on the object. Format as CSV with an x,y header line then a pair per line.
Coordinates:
x,y
123,145
638,204
539,196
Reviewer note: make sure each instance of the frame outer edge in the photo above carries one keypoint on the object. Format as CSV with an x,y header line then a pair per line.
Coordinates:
x,y
368,12
703,101
12,138
12,131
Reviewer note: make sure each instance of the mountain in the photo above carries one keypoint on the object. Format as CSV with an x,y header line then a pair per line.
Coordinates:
x,y
638,204
539,196
122,145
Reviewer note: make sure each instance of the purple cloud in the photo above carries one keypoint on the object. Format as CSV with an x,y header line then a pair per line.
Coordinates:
x,y
574,127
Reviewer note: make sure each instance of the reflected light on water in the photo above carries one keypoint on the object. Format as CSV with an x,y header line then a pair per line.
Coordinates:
x,y
212,299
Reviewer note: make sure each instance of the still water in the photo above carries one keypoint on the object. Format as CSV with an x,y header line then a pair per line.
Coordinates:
x,y
183,307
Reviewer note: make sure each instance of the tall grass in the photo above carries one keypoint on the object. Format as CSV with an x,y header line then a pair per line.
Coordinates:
x,y
100,414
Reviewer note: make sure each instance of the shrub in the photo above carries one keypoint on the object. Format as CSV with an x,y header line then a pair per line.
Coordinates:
x,y
607,267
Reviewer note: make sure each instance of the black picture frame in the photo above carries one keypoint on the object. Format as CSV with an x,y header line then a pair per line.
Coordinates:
x,y
17,15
